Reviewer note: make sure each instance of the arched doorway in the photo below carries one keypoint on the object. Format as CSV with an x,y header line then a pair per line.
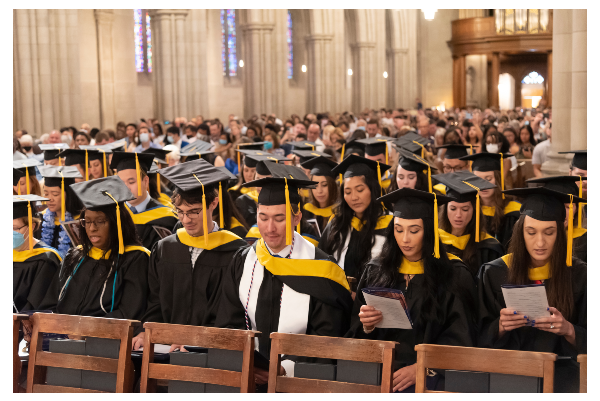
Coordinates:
x,y
532,90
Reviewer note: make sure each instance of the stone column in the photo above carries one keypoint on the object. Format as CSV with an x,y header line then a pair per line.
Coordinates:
x,y
363,78
181,103
549,81
459,84
397,77
104,21
258,68
493,102
569,91
319,72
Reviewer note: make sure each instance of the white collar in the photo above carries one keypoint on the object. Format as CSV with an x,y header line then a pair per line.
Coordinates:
x,y
142,206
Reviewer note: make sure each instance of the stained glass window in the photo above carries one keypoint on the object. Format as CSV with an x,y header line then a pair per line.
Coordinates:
x,y
290,46
533,78
143,40
228,43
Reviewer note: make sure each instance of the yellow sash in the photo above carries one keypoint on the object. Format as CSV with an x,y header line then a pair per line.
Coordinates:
x,y
300,267
440,188
382,222
459,242
453,257
253,195
235,223
488,210
578,232
151,215
304,193
22,256
253,233
245,190
535,273
385,184
96,253
165,200
235,188
408,267
512,207
317,211
215,239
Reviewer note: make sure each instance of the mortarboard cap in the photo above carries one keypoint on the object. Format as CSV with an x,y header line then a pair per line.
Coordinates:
x,y
229,173
320,166
280,170
97,152
17,174
52,150
413,143
303,145
454,151
413,204
545,204
76,156
196,146
27,167
103,192
488,162
252,157
22,207
132,161
413,162
118,146
306,155
566,184
375,147
579,158
59,176
251,146
354,166
160,155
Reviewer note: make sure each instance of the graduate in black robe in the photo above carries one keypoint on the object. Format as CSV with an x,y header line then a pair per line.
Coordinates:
x,y
465,236
245,171
186,268
156,188
107,276
438,288
564,332
327,190
35,264
283,283
149,216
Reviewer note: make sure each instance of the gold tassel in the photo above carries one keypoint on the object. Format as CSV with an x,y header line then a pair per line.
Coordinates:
x,y
580,205
121,247
312,146
158,183
204,221
19,187
422,148
138,175
26,178
30,222
436,245
62,197
300,222
288,217
379,179
477,209
239,163
221,219
570,235
429,178
87,176
104,161
199,155
343,151
59,162
502,172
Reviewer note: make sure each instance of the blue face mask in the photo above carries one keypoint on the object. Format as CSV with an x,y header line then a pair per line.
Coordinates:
x,y
268,145
223,142
18,239
170,139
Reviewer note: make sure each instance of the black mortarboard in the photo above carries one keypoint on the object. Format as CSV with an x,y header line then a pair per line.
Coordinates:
x,y
258,146
22,207
52,150
27,168
579,158
354,166
73,157
196,147
486,161
454,151
160,155
224,170
543,204
96,152
306,155
17,174
103,192
252,157
321,166
117,146
413,162
303,145
412,142
132,161
413,204
375,146
59,176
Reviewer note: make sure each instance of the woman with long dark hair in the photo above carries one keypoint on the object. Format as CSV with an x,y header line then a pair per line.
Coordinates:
x,y
462,232
539,253
412,172
107,276
355,234
526,142
437,287
322,198
500,211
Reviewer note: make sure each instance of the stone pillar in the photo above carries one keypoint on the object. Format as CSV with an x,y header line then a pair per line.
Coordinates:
x,y
180,99
396,77
494,101
459,84
319,72
569,92
363,78
104,22
549,80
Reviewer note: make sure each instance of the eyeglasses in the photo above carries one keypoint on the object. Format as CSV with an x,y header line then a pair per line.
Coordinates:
x,y
88,223
450,169
190,215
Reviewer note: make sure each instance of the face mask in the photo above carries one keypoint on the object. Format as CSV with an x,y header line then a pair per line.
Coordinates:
x,y
144,137
223,142
492,148
170,139
27,148
268,145
18,239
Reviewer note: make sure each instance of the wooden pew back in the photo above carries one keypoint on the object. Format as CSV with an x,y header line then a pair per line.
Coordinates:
x,y
17,318
582,359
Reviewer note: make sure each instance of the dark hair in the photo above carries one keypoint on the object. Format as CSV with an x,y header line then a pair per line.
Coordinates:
x,y
531,138
191,127
101,136
132,125
195,195
158,129
332,188
93,132
437,273
229,211
81,133
72,202
341,223
422,183
130,237
559,289
173,130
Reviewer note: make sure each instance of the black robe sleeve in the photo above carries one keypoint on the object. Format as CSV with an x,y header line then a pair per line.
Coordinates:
x,y
247,208
505,231
130,300
33,279
231,313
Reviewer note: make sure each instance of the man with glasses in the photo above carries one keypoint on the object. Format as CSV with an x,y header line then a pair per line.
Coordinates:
x,y
184,275
452,162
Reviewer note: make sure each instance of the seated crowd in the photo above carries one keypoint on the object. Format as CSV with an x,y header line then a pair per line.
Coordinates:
x,y
278,226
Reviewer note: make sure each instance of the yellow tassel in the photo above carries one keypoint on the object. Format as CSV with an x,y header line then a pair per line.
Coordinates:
x,y
312,146
62,197
379,179
121,247
422,148
570,235
288,217
477,209
429,178
300,222
59,162
138,175
204,221
87,176
19,187
26,179
199,155
580,206
436,245
239,163
343,151
502,172
30,222
221,219
158,183
104,162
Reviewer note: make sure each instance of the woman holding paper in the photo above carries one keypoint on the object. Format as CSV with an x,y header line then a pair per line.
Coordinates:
x,y
439,290
538,255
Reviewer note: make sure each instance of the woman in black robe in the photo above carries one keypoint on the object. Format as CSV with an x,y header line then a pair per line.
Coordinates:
x,y
538,255
322,198
107,276
439,291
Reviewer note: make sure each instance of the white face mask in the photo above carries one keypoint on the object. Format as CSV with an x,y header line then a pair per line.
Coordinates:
x,y
492,147
144,137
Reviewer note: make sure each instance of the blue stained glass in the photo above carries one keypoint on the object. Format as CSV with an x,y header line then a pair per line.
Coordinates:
x,y
223,44
290,46
139,40
148,43
231,42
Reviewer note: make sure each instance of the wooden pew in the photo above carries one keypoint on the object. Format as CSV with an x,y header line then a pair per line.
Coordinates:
x,y
582,359
329,348
523,363
17,318
83,326
207,337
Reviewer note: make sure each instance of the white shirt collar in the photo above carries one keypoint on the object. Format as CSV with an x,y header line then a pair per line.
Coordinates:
x,y
142,206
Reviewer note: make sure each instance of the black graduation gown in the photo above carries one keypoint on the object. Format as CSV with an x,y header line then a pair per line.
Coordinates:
x,y
321,220
146,232
328,315
247,208
33,278
491,277
506,227
180,294
82,296
238,230
456,326
488,250
580,247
